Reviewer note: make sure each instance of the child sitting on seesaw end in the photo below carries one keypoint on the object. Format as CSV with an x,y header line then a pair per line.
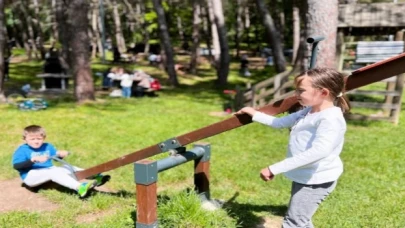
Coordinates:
x,y
33,160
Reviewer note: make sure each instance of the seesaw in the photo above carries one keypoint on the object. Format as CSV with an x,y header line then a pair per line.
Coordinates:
x,y
361,77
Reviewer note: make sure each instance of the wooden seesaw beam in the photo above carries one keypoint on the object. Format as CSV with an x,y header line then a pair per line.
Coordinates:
x,y
361,77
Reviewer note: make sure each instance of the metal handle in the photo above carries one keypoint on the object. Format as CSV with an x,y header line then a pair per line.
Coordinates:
x,y
314,41
69,166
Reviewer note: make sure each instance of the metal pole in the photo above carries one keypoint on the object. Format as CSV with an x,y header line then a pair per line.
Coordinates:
x,y
101,5
180,158
314,41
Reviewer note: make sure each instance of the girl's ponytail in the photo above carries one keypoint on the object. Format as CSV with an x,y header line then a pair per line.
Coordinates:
x,y
343,103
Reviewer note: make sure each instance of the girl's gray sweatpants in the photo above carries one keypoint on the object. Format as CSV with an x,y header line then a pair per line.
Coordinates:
x,y
304,202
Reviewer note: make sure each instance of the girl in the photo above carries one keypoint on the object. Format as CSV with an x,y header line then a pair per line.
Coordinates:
x,y
316,140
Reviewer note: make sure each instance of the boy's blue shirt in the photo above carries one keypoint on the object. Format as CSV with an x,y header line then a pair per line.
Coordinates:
x,y
25,152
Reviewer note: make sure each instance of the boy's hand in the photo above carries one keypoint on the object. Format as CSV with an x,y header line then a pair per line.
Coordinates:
x,y
266,174
62,153
248,110
40,159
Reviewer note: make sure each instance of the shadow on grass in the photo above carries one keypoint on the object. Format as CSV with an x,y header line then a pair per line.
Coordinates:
x,y
245,213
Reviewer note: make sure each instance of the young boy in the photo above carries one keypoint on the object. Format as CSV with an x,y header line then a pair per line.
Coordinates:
x,y
33,160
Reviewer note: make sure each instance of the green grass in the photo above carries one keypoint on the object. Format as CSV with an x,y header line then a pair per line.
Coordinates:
x,y
370,192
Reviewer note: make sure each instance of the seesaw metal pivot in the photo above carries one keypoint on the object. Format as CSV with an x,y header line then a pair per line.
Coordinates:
x,y
169,144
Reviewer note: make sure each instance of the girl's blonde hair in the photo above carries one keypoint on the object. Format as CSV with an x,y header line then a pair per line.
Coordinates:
x,y
331,80
34,129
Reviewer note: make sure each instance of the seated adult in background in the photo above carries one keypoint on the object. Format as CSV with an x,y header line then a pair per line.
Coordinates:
x,y
154,59
52,63
108,77
144,82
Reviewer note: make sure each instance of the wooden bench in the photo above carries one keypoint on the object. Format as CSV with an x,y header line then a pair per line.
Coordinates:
x,y
49,80
375,51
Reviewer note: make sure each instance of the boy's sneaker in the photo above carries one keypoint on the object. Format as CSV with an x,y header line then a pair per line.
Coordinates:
x,y
101,179
85,188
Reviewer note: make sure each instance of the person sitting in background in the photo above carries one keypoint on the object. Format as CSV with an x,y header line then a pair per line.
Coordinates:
x,y
144,82
109,76
154,59
244,70
116,54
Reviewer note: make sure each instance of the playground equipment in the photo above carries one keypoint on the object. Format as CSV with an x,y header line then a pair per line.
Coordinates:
x,y
146,175
146,171
361,77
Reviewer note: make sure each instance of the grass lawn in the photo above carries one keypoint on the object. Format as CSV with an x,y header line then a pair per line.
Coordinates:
x,y
369,193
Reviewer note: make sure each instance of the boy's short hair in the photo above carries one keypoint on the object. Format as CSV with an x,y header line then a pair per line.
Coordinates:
x,y
36,129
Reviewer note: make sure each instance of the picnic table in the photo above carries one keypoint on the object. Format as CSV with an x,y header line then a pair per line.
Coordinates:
x,y
54,80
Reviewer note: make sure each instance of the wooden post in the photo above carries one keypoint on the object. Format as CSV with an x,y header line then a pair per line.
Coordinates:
x,y
146,193
391,86
201,172
397,99
399,87
340,50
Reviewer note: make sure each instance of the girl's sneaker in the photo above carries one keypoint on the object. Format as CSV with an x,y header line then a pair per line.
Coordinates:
x,y
85,188
101,179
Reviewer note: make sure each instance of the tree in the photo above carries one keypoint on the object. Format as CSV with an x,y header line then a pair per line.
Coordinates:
x,y
273,37
196,36
214,34
223,69
119,36
79,44
322,20
2,48
166,42
63,32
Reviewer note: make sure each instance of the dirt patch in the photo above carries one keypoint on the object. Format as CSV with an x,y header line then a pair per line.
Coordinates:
x,y
92,217
13,197
274,222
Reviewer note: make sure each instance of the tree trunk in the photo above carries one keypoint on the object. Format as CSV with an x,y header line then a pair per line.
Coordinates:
x,y
21,29
196,36
131,17
40,35
296,32
96,41
322,20
30,28
207,34
166,42
142,9
247,24
2,48
273,37
223,69
239,25
214,34
119,36
63,33
79,43
54,22
180,29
